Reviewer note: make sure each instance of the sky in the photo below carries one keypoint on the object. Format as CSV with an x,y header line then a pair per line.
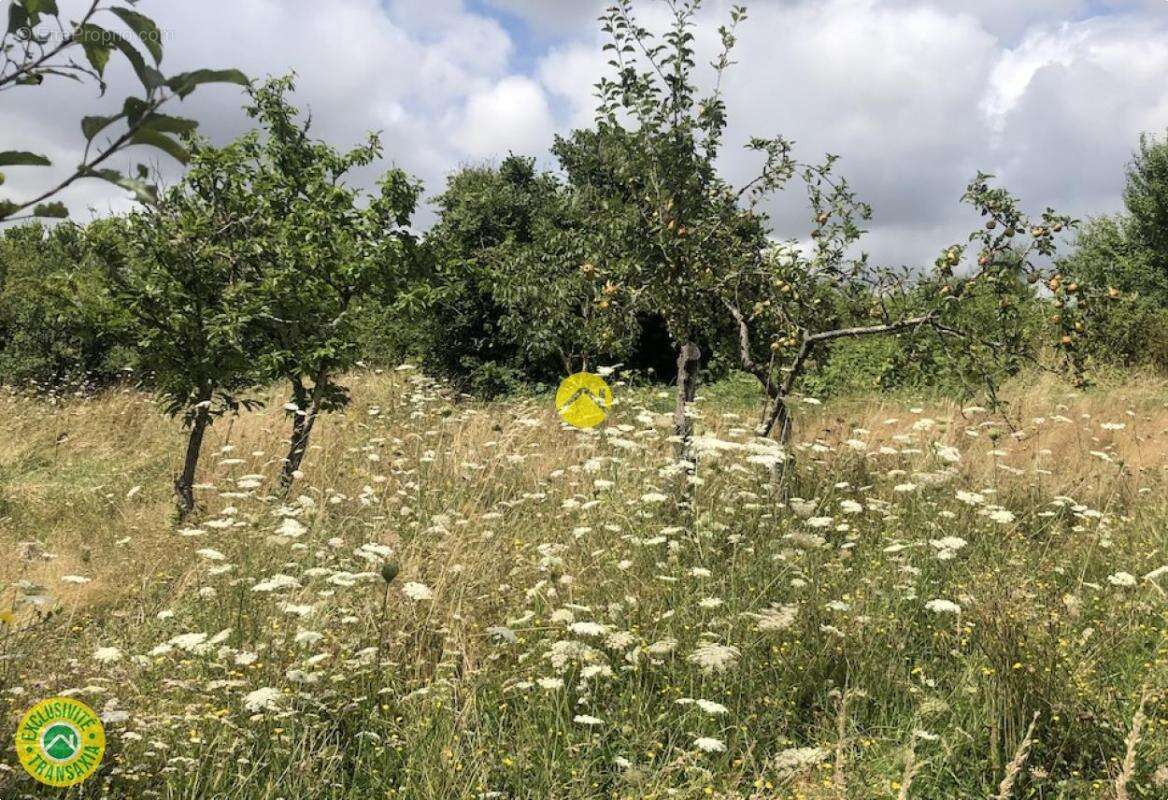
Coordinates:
x,y
915,96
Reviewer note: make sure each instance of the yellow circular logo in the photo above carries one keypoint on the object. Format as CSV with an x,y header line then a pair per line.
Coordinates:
x,y
583,400
60,741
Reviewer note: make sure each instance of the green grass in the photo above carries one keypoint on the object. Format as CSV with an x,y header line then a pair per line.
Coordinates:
x,y
520,529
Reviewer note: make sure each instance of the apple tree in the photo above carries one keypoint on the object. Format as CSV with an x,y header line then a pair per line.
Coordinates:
x,y
326,249
186,270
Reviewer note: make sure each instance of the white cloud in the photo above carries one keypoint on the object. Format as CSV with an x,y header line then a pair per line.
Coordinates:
x,y
512,115
916,95
1068,134
570,73
891,88
360,68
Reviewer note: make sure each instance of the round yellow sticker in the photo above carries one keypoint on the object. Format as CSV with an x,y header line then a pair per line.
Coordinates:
x,y
60,741
583,400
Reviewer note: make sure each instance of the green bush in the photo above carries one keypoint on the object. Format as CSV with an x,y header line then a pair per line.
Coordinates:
x,y
58,324
928,360
1124,259
853,366
1129,330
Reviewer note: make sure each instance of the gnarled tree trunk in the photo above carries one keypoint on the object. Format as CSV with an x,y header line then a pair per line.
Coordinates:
x,y
303,422
778,418
184,484
689,358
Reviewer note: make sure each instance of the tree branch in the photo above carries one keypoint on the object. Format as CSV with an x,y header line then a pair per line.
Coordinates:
x,y
872,330
744,354
66,42
85,169
779,394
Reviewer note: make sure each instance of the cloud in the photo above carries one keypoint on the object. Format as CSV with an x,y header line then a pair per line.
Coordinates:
x,y
513,115
554,18
361,67
570,74
892,89
915,95
1092,88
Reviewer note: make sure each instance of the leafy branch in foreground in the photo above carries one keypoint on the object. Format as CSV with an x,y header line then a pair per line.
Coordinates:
x,y
38,45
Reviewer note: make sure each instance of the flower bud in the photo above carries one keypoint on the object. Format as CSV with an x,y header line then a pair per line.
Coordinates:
x,y
389,571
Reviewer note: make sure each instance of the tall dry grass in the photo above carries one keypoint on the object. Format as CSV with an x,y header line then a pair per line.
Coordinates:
x,y
476,685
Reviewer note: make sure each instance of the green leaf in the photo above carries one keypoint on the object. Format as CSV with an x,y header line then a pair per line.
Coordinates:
x,y
96,43
145,28
41,6
55,210
18,158
187,82
92,126
163,142
151,78
166,124
7,209
134,109
143,191
17,18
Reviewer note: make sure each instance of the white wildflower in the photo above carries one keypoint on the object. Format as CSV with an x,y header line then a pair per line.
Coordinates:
x,y
417,592
943,607
714,657
276,583
776,619
107,655
1123,579
588,628
712,708
266,699
709,745
970,498
797,759
291,528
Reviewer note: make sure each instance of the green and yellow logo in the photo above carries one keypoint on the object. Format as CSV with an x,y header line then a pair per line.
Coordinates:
x,y
60,741
583,400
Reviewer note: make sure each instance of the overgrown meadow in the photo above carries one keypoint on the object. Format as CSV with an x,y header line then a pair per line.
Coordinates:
x,y
936,602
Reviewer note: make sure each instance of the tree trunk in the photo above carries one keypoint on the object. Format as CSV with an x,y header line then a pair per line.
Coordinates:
x,y
184,484
778,419
689,357
301,431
